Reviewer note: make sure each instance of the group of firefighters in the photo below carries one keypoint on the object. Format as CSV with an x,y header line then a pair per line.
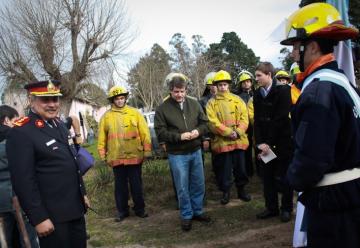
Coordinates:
x,y
308,122
304,128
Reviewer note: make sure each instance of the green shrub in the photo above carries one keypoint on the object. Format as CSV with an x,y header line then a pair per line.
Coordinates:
x,y
100,185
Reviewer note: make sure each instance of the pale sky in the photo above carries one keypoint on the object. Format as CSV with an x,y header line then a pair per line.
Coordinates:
x,y
253,21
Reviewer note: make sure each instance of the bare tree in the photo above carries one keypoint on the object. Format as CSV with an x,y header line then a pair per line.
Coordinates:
x,y
180,54
61,39
147,76
193,62
202,65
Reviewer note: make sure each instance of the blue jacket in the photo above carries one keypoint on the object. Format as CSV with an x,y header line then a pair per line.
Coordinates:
x,y
327,139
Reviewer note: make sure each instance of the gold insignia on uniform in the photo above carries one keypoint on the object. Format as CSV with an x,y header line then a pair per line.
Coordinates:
x,y
21,121
39,123
51,87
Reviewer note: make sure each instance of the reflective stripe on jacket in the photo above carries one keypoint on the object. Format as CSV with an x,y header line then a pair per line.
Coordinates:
x,y
227,113
124,137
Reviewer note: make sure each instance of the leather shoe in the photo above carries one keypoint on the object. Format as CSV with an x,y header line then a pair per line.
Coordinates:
x,y
202,218
186,225
285,216
142,215
242,195
226,198
121,217
267,214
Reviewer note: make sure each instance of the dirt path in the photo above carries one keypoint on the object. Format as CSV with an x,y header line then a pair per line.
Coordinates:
x,y
234,225
276,236
254,234
270,237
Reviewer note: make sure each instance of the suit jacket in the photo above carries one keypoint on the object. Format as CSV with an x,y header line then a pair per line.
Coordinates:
x,y
271,119
44,171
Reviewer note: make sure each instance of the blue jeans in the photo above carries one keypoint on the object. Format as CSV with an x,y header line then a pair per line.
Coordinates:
x,y
188,174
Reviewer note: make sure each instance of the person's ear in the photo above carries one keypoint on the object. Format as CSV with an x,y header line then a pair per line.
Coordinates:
x,y
314,47
6,121
9,122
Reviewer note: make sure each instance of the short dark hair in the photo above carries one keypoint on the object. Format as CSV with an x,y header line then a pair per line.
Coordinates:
x,y
178,82
326,45
266,68
7,111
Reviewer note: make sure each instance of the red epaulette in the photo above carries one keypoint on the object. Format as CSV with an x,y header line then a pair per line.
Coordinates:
x,y
21,121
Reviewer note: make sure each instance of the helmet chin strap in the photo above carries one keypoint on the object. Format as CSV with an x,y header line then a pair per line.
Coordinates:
x,y
302,55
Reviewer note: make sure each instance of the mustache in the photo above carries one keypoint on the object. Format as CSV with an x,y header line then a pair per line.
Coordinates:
x,y
51,109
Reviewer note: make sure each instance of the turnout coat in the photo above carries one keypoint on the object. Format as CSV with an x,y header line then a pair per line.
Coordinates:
x,y
44,171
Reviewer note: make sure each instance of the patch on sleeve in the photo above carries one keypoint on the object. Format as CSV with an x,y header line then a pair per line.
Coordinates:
x,y
21,121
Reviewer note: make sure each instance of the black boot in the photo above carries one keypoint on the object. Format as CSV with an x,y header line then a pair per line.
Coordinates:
x,y
226,198
242,195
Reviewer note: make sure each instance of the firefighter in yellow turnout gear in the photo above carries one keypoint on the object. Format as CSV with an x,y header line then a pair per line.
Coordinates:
x,y
124,140
228,121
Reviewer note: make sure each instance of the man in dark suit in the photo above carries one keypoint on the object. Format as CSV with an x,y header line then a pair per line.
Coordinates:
x,y
272,129
44,171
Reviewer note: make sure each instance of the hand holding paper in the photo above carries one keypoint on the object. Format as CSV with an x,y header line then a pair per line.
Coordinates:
x,y
266,154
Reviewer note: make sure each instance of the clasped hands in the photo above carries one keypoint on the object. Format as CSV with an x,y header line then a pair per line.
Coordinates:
x,y
233,135
190,135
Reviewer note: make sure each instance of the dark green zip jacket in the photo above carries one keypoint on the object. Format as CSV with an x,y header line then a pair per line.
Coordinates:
x,y
171,122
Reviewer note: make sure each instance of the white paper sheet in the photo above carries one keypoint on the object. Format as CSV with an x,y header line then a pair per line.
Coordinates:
x,y
268,157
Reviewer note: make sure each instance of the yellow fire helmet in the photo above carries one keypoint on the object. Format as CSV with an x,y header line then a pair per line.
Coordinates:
x,y
222,76
245,75
208,80
282,74
116,91
317,20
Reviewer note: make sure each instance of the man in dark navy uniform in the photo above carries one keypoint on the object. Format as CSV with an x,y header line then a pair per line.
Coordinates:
x,y
44,171
326,118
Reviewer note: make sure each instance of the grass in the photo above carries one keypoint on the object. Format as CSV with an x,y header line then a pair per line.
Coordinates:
x,y
92,148
162,228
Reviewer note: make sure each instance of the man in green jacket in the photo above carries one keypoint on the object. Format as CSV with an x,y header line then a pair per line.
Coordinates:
x,y
180,122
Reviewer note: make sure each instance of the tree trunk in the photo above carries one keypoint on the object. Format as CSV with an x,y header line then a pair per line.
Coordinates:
x,y
65,106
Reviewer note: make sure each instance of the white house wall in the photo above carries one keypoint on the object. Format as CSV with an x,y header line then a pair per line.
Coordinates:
x,y
84,109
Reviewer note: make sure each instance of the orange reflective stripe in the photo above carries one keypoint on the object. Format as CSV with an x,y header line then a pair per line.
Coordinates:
x,y
230,122
128,135
243,126
221,129
147,147
229,148
126,161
